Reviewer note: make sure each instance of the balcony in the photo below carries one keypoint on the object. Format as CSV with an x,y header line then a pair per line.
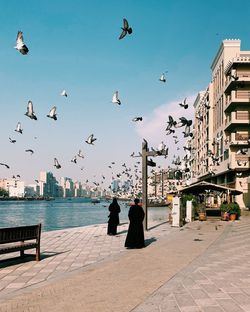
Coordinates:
x,y
239,120
238,139
243,81
238,162
239,99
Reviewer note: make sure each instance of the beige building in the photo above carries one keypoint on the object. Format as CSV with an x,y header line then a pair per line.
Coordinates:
x,y
222,125
13,186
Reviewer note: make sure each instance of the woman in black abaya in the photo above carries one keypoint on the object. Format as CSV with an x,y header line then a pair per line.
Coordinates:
x,y
135,236
114,210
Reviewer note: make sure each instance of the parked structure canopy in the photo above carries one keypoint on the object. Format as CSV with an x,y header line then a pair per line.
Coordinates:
x,y
203,186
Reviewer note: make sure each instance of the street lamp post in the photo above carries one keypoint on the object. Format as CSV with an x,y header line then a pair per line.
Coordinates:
x,y
145,164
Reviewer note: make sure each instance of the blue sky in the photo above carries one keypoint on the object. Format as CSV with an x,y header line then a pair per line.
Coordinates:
x,y
74,46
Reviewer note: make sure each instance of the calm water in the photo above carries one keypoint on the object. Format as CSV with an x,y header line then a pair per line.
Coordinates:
x,y
64,213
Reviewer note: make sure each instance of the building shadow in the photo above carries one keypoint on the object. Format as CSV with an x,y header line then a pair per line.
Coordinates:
x,y
27,258
155,226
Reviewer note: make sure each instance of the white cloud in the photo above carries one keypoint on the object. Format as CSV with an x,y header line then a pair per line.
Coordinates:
x,y
152,128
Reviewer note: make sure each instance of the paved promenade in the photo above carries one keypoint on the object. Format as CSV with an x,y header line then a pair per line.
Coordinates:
x,y
203,266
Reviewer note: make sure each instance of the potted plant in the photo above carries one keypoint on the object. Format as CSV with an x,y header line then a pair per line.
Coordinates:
x,y
201,208
234,211
224,208
230,211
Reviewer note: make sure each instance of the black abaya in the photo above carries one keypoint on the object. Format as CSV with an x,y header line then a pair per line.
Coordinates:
x,y
114,209
135,236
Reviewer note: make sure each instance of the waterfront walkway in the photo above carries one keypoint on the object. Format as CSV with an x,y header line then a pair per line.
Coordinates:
x,y
203,266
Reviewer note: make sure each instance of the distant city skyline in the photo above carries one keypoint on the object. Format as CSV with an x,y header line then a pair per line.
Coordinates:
x,y
74,46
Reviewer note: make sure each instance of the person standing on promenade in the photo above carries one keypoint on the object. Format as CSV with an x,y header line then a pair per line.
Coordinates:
x,y
135,236
114,210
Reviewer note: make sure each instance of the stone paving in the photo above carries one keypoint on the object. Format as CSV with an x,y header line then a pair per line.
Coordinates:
x,y
64,251
216,281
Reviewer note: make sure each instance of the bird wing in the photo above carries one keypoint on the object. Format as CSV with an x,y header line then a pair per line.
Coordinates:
x,y
52,111
18,126
30,110
115,97
125,24
19,39
123,34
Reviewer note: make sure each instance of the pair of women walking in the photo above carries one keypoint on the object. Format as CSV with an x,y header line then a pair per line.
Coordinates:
x,y
135,235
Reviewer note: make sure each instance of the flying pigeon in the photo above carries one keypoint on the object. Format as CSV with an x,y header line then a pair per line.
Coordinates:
x,y
20,46
2,164
115,98
74,160
36,181
30,112
125,29
184,104
80,154
56,164
30,151
161,147
18,128
52,113
12,141
163,77
64,93
90,139
137,119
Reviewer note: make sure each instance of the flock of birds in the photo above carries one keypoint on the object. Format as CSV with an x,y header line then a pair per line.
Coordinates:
x,y
131,175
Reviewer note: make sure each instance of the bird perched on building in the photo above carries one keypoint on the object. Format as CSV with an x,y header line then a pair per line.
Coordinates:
x,y
7,166
184,104
137,119
30,112
29,151
242,151
56,164
91,139
12,141
18,128
115,98
199,117
52,113
125,29
64,93
20,46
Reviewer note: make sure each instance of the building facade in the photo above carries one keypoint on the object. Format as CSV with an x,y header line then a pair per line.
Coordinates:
x,y
222,123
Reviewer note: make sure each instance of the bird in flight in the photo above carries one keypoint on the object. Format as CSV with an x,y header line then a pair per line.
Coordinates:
x,y
80,154
12,141
115,98
163,77
56,164
2,164
20,46
74,160
18,128
137,119
30,151
90,139
184,104
52,113
125,29
30,112
64,93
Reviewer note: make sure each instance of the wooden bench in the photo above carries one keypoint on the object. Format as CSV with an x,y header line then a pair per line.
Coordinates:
x,y
20,238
